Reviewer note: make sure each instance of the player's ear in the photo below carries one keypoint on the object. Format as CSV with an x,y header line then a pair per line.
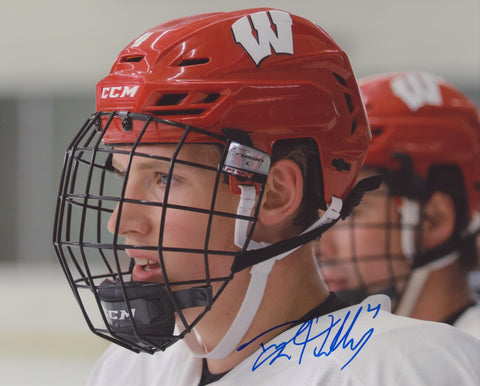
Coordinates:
x,y
283,192
439,220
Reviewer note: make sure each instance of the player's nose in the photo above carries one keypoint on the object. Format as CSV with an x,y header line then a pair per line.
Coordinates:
x,y
131,215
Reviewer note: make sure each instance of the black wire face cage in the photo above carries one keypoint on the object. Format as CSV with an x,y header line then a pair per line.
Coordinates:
x,y
138,315
358,272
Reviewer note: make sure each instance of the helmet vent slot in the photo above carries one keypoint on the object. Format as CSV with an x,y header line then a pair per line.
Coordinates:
x,y
132,59
349,101
177,104
193,62
354,126
211,98
340,80
348,98
179,112
376,131
171,99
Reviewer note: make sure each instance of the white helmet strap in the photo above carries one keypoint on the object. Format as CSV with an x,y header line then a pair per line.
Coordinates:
x,y
259,276
410,218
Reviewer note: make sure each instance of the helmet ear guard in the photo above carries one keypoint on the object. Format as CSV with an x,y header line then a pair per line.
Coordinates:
x,y
363,186
335,211
245,164
404,182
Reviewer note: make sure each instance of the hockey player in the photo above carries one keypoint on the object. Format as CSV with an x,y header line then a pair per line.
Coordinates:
x,y
424,218
229,132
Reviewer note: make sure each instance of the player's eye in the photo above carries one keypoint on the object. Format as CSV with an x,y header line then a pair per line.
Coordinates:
x,y
163,178
160,183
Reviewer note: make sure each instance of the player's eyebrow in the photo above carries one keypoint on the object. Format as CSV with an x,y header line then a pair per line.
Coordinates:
x,y
142,164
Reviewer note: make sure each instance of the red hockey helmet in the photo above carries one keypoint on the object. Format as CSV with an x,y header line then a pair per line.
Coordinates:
x,y
426,118
247,78
233,70
426,137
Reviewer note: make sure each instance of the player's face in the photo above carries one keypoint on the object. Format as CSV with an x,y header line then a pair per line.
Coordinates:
x,y
190,187
364,251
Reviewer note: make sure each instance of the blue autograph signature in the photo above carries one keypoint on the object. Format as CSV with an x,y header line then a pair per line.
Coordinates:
x,y
337,334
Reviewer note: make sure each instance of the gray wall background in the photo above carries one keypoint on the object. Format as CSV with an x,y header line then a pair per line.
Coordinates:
x,y
54,52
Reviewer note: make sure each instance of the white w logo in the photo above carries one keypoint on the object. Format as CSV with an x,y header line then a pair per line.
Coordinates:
x,y
417,90
260,24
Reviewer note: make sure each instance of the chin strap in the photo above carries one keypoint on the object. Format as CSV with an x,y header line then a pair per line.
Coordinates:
x,y
259,276
423,264
473,228
409,220
337,209
262,256
416,282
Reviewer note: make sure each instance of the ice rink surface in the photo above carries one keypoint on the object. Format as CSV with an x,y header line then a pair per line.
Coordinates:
x,y
44,339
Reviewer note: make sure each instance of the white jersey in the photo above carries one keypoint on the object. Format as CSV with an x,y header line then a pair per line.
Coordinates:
x,y
469,321
360,345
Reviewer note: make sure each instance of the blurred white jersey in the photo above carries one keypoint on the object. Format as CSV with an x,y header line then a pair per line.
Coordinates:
x,y
360,345
469,321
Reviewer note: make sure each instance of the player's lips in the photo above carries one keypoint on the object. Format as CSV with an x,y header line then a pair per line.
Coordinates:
x,y
149,272
142,257
147,268
144,261
336,283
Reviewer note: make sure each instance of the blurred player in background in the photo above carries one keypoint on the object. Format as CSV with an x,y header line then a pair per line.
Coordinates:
x,y
230,132
414,238
474,275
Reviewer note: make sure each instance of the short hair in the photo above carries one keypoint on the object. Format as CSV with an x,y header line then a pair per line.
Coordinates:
x,y
304,152
448,178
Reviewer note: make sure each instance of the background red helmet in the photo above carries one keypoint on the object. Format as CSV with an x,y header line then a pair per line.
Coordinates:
x,y
426,118
234,70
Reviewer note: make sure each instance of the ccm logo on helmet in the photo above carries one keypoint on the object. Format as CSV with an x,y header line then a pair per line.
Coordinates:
x,y
114,315
255,34
119,92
